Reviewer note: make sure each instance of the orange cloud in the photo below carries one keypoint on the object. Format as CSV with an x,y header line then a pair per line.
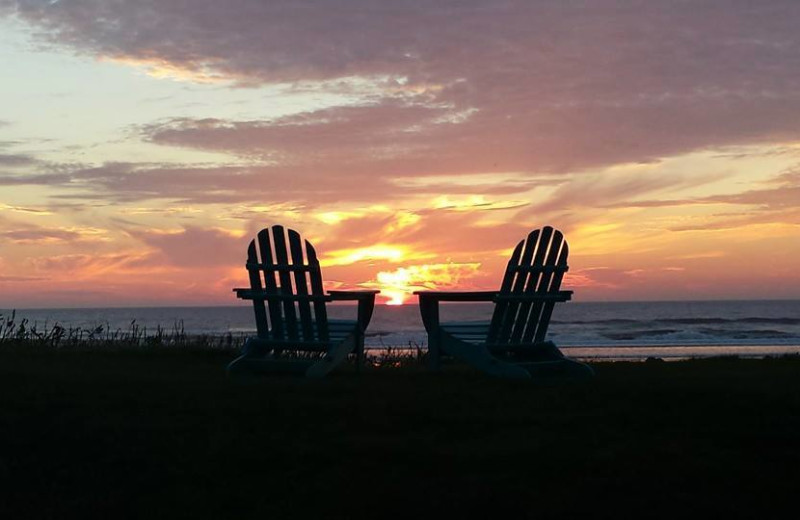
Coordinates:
x,y
392,253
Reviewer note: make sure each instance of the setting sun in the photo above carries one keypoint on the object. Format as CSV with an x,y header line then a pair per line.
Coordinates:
x,y
395,285
399,284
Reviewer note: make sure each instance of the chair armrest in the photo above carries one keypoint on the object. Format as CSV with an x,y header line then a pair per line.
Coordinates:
x,y
557,296
352,295
264,294
445,296
429,303
366,303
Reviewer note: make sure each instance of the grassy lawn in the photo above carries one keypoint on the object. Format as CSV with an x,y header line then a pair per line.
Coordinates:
x,y
165,434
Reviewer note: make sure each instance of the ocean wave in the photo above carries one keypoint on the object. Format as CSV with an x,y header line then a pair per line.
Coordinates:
x,y
633,335
711,321
779,321
747,334
611,321
679,321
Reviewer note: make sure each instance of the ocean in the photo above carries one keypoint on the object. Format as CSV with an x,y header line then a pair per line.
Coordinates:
x,y
585,330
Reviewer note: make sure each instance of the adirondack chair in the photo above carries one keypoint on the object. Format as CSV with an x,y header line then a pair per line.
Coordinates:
x,y
294,333
513,343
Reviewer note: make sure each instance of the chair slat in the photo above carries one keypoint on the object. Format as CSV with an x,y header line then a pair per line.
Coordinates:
x,y
544,287
262,326
315,277
275,316
301,286
547,311
540,242
502,308
282,258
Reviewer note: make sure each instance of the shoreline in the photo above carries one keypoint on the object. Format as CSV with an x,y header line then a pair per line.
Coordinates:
x,y
644,352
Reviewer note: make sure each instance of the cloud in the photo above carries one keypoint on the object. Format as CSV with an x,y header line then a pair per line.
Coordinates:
x,y
429,232
40,235
469,122
777,198
515,86
613,279
128,182
23,233
778,204
11,160
347,134
88,266
398,285
614,189
25,209
22,279
194,247
41,179
789,216
299,186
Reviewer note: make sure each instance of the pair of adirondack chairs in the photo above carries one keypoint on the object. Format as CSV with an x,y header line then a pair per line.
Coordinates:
x,y
295,335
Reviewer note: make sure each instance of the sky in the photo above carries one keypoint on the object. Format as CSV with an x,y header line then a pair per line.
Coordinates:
x,y
414,143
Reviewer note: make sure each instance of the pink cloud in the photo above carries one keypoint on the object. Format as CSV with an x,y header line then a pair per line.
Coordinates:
x,y
550,86
194,247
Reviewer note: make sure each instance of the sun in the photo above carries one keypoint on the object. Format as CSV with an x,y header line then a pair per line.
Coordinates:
x,y
395,297
400,284
395,285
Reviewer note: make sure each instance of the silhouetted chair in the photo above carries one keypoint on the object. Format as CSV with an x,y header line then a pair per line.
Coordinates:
x,y
513,343
294,334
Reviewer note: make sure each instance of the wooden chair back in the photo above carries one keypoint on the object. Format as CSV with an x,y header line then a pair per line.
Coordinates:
x,y
535,270
293,309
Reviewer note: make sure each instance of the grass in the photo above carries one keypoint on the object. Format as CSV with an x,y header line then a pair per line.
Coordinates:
x,y
163,433
22,332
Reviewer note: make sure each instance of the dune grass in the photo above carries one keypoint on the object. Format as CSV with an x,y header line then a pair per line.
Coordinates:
x,y
163,433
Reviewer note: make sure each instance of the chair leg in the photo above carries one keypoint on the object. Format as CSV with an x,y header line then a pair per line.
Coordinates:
x,y
338,354
434,352
359,351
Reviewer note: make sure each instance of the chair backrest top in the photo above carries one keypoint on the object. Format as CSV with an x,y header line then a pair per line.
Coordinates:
x,y
537,266
286,268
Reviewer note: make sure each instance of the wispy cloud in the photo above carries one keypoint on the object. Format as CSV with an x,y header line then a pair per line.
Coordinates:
x,y
21,279
25,209
26,233
10,160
